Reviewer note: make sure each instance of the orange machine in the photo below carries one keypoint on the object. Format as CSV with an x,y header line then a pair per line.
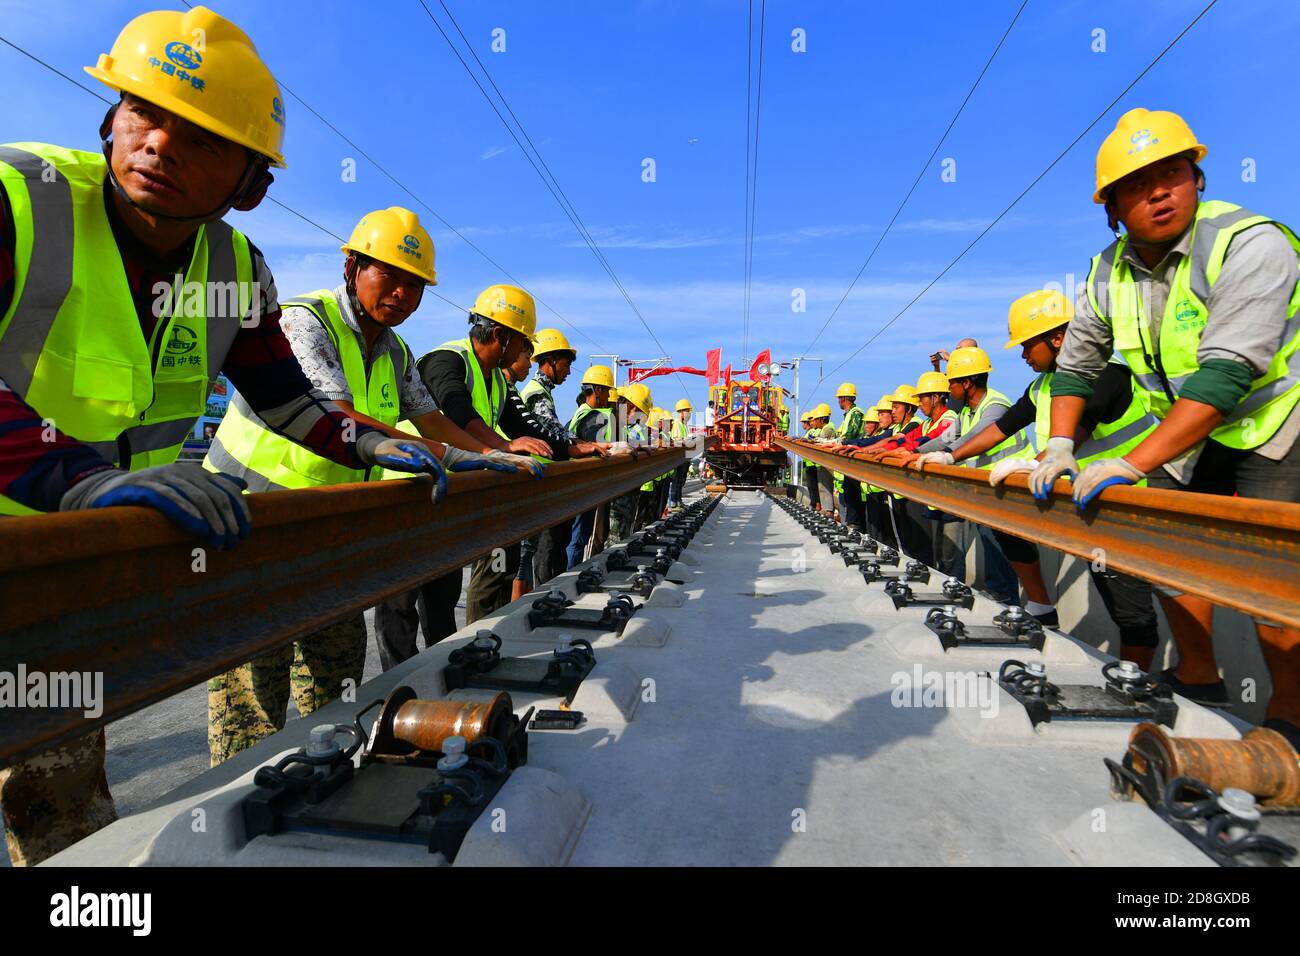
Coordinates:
x,y
746,416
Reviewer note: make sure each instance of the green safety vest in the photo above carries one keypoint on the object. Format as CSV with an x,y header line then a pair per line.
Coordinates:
x,y
71,344
1161,371
245,447
1109,439
1018,445
531,388
583,411
488,399
851,427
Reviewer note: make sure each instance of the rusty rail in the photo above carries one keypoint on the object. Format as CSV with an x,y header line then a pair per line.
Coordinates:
x,y
123,592
1241,553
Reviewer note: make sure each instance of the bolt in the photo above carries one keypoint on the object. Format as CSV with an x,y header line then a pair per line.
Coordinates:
x,y
1036,669
322,742
1015,613
1240,804
483,640
1129,671
453,750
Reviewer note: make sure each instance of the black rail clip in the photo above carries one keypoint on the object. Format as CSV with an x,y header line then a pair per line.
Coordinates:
x,y
954,593
1129,694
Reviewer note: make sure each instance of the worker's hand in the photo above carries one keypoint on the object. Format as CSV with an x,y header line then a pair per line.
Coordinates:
x,y
1102,474
1010,466
1057,460
397,454
619,448
530,446
934,458
587,449
206,504
458,460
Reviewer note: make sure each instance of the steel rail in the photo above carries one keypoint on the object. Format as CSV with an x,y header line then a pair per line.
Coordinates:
x,y
124,593
1241,553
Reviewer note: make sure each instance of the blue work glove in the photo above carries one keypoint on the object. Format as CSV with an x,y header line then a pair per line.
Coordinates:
x,y
457,459
1102,474
400,455
207,504
1058,460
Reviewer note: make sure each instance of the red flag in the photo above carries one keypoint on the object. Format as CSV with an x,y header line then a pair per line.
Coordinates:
x,y
714,365
726,375
764,358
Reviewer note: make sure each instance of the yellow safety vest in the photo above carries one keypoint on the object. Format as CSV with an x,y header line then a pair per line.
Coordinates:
x,y
1160,369
244,446
71,343
1018,445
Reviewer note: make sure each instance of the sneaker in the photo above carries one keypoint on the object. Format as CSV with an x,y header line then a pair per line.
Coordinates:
x,y
1207,695
1287,729
1049,619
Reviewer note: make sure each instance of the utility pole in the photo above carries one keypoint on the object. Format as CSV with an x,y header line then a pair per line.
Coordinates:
x,y
795,364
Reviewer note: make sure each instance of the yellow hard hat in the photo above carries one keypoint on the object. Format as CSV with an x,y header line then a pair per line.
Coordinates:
x,y
596,375
931,383
847,390
1035,314
218,83
553,340
871,415
684,405
394,236
968,361
905,394
510,306
1140,138
822,411
806,417
638,395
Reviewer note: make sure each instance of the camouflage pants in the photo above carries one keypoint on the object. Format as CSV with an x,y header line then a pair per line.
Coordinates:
x,y
250,703
54,799
621,511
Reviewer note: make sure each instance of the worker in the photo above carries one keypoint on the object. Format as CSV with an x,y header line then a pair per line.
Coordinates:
x,y
635,404
811,484
345,342
85,239
554,357
824,432
1199,298
680,436
850,430
875,507
783,421
968,388
594,421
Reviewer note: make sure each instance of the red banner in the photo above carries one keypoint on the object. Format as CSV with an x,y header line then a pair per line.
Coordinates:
x,y
714,371
637,374
726,375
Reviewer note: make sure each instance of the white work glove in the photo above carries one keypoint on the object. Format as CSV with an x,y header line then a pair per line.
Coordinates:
x,y
1102,474
1058,460
457,459
1009,466
935,458
207,504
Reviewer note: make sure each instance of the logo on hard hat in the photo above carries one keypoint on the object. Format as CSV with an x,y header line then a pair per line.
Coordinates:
x,y
277,111
183,340
1141,140
183,55
411,247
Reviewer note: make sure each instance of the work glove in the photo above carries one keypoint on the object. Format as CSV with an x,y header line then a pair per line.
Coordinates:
x,y
374,448
1102,474
457,459
935,458
206,504
1058,460
1009,466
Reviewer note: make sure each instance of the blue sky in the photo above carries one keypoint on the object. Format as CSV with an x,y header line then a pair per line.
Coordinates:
x,y
600,86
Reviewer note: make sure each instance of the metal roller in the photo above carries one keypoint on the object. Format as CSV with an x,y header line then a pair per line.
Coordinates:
x,y
407,725
1262,762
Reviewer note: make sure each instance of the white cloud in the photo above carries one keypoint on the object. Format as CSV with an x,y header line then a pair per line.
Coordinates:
x,y
493,151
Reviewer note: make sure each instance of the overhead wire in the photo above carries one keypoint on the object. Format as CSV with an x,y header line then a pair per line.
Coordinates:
x,y
552,184
1101,115
287,208
920,173
751,179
